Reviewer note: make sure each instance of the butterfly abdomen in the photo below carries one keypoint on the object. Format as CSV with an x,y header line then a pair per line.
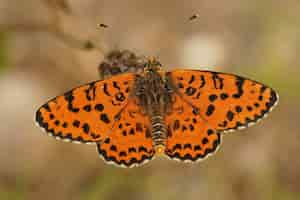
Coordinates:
x,y
158,131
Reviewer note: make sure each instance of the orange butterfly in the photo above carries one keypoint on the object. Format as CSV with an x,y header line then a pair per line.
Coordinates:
x,y
133,116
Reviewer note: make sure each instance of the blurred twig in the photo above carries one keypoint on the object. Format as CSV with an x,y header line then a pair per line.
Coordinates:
x,y
53,28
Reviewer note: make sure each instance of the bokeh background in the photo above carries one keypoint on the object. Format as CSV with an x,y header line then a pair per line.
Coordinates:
x,y
42,55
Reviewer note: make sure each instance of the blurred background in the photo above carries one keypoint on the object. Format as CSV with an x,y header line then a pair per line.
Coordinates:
x,y
43,53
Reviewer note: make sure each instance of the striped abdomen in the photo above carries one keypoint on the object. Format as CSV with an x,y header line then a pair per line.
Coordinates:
x,y
159,133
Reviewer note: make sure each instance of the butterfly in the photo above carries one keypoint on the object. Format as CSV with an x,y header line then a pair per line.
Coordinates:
x,y
132,117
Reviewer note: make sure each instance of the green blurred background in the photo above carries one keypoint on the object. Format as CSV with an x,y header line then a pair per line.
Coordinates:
x,y
41,57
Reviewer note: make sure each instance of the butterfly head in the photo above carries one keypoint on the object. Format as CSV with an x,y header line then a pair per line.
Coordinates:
x,y
152,65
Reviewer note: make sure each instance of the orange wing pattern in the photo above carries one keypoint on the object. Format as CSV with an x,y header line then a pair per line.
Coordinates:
x,y
87,113
129,143
190,138
205,104
224,101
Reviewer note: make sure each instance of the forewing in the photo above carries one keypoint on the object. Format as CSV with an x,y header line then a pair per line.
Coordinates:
x,y
130,142
225,101
87,113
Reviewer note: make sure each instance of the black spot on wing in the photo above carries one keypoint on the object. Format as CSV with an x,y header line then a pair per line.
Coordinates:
x,y
99,107
197,148
190,91
210,132
202,81
191,127
239,84
51,116
210,110
224,96
95,135
47,107
238,109
169,132
107,141
142,149
131,132
176,125
132,149
76,123
204,140
196,111
148,133
249,108
230,115
197,95
176,146
69,98
113,148
262,89
256,105
105,89
90,92
104,117
217,80
122,154
223,124
187,146
116,85
120,126
87,108
120,96
183,128
138,127
57,122
194,120
86,128
212,97
192,79
65,125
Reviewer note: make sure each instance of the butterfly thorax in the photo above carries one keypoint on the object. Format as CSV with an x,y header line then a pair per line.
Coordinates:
x,y
154,96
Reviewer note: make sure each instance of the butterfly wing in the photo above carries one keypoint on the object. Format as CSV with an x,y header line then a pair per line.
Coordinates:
x,y
87,113
189,137
215,103
130,142
226,101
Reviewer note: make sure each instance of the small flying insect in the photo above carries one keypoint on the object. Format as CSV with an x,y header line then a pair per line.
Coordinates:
x,y
193,17
102,25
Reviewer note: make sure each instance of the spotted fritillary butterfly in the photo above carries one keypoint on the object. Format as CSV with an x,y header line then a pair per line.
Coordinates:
x,y
132,117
